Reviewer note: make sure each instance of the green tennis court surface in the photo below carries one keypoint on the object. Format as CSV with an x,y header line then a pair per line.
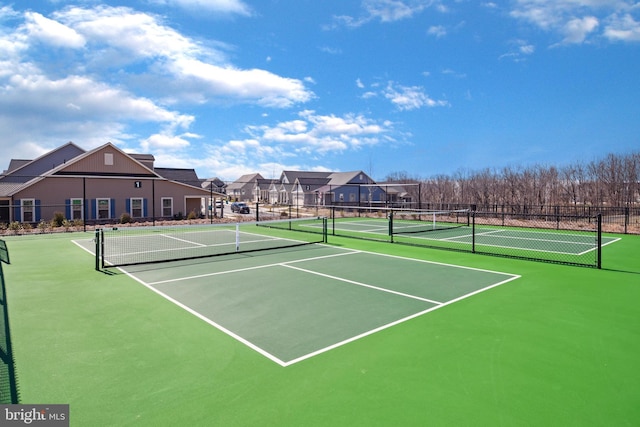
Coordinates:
x,y
562,242
291,305
357,323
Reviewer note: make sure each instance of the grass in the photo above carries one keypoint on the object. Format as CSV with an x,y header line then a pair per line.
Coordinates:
x,y
557,347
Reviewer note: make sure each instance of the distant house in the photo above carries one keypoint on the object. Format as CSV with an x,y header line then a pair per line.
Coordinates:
x,y
97,185
244,189
215,185
308,188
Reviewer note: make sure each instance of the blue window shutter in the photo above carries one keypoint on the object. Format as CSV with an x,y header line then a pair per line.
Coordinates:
x,y
128,205
67,208
37,213
93,209
17,210
145,210
112,214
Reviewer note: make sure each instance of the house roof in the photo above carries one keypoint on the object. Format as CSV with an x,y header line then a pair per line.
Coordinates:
x,y
343,178
244,181
67,160
26,170
15,164
216,182
185,176
289,177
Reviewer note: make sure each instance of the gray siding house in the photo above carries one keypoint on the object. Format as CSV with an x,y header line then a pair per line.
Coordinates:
x,y
97,185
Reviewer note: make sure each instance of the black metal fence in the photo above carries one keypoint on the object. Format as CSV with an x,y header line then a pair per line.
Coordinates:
x,y
67,217
8,382
564,239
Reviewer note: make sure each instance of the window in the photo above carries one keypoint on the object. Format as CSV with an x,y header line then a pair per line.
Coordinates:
x,y
28,210
167,206
104,207
136,207
108,159
77,211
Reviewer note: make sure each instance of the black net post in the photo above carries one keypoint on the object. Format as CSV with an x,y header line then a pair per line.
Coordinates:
x,y
391,226
101,248
324,230
97,242
333,220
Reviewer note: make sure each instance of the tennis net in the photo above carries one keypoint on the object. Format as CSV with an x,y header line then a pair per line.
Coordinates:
x,y
146,245
412,221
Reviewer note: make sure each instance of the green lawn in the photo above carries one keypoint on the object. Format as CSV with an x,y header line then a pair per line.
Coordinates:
x,y
559,346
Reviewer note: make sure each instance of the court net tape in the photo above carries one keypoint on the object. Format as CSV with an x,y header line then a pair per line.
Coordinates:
x,y
412,221
121,246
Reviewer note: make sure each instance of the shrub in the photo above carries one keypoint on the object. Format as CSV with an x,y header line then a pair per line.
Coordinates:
x,y
125,218
192,215
43,226
58,219
15,227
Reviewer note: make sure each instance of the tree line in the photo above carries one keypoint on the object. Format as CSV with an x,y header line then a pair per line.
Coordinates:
x,y
610,181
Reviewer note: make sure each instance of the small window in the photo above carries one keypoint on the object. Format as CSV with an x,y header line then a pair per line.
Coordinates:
x,y
27,210
108,159
103,208
76,209
136,208
167,206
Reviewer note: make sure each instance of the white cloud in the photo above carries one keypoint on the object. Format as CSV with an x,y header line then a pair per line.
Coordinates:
x,y
437,31
222,6
407,98
578,29
146,64
52,32
522,49
312,135
387,11
136,37
578,20
623,28
260,86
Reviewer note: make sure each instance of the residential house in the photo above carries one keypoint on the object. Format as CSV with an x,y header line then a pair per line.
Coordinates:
x,y
215,185
97,185
309,188
353,187
244,189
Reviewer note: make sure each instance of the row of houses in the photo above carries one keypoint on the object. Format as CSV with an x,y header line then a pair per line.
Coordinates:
x,y
102,184
302,188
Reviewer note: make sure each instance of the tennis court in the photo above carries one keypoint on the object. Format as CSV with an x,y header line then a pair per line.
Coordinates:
x,y
290,304
344,333
567,246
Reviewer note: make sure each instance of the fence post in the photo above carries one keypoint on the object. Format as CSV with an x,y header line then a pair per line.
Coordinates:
x,y
626,218
473,232
599,241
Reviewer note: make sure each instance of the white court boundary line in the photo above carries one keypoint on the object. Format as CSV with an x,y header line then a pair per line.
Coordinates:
x,y
288,265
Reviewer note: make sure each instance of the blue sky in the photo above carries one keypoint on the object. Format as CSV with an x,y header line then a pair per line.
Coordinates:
x,y
229,87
